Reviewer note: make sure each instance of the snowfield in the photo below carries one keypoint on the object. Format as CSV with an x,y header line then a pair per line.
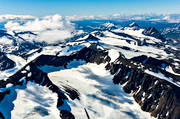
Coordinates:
x,y
98,95
36,102
19,63
29,102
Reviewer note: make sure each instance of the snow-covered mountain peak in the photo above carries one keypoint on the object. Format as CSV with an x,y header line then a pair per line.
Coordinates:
x,y
133,24
110,26
152,31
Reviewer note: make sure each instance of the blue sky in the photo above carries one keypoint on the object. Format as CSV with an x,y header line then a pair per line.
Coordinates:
x,y
88,7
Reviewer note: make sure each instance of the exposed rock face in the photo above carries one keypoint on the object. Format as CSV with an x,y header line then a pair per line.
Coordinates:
x,y
66,115
24,32
154,95
151,31
151,62
4,33
92,38
1,116
157,96
5,62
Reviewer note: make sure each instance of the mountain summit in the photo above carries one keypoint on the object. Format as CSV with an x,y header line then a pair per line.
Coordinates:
x,y
151,31
134,26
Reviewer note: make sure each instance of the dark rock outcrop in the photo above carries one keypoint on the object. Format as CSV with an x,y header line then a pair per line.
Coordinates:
x,y
92,38
157,96
151,31
1,116
151,62
66,115
5,62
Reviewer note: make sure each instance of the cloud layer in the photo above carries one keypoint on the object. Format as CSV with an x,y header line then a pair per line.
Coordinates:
x,y
173,18
7,17
49,29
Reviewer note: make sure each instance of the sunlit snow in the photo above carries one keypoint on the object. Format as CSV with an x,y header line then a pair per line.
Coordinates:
x,y
98,95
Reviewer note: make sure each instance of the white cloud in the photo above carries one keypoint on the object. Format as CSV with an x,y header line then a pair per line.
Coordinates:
x,y
78,18
151,17
172,18
49,29
15,17
54,36
38,25
116,15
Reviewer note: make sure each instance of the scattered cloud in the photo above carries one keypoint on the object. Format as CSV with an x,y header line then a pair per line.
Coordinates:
x,y
49,29
150,17
54,36
78,18
15,17
173,18
38,25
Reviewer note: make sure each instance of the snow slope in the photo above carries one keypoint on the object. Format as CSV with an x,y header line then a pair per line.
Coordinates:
x,y
19,63
36,102
98,95
29,101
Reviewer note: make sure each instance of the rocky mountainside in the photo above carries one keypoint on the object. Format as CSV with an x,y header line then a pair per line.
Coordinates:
x,y
139,62
5,62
